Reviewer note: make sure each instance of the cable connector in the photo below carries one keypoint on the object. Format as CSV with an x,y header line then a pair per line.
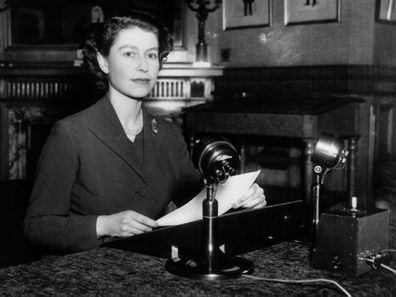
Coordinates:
x,y
375,260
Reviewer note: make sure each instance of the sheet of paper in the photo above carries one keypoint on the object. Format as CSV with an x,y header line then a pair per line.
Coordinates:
x,y
227,194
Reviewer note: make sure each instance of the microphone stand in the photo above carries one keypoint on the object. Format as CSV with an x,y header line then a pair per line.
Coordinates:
x,y
209,212
317,188
212,263
320,172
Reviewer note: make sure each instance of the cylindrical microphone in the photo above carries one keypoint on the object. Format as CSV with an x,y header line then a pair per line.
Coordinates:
x,y
216,159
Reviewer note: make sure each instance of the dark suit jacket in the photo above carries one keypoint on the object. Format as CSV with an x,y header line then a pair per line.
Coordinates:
x,y
88,168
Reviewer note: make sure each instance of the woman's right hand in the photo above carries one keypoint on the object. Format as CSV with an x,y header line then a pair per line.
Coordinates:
x,y
124,224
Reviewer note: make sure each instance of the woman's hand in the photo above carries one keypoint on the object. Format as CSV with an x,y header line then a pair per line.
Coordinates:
x,y
124,224
254,198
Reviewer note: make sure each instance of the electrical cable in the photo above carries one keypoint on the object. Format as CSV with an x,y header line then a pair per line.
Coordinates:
x,y
378,263
389,250
299,281
388,268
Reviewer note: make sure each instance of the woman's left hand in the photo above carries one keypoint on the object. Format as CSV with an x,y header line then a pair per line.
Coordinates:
x,y
254,198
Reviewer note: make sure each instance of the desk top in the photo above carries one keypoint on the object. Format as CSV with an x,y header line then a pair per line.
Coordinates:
x,y
303,118
113,272
285,104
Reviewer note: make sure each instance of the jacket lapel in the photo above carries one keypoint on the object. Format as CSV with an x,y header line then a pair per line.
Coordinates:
x,y
151,142
105,124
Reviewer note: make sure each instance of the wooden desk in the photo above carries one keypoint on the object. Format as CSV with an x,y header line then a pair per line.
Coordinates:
x,y
300,119
110,272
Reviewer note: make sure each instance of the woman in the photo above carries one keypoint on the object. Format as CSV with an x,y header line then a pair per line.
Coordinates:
x,y
112,169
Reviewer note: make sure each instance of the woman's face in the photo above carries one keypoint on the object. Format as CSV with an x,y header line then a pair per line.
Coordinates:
x,y
132,65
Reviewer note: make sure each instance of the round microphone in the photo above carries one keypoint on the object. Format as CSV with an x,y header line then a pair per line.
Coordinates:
x,y
329,151
216,159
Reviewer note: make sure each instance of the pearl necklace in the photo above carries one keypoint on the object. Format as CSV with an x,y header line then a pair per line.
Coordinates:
x,y
131,133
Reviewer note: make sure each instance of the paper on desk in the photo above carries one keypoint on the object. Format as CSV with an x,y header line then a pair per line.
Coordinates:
x,y
227,194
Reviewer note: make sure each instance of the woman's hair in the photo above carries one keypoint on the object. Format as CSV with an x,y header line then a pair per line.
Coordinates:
x,y
103,36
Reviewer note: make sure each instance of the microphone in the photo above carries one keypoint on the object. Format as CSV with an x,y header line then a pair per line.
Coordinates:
x,y
329,153
347,239
216,159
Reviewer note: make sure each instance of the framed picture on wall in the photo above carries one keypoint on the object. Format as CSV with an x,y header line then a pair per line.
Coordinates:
x,y
246,13
385,11
311,11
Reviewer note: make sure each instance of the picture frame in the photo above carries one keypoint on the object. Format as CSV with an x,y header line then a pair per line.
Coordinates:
x,y
299,12
238,14
385,12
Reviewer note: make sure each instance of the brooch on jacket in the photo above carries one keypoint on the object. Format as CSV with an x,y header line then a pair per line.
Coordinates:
x,y
154,126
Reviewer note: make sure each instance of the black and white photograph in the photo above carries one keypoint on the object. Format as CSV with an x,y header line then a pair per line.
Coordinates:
x,y
198,148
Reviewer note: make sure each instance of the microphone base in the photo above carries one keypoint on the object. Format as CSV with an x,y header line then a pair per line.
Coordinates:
x,y
223,267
